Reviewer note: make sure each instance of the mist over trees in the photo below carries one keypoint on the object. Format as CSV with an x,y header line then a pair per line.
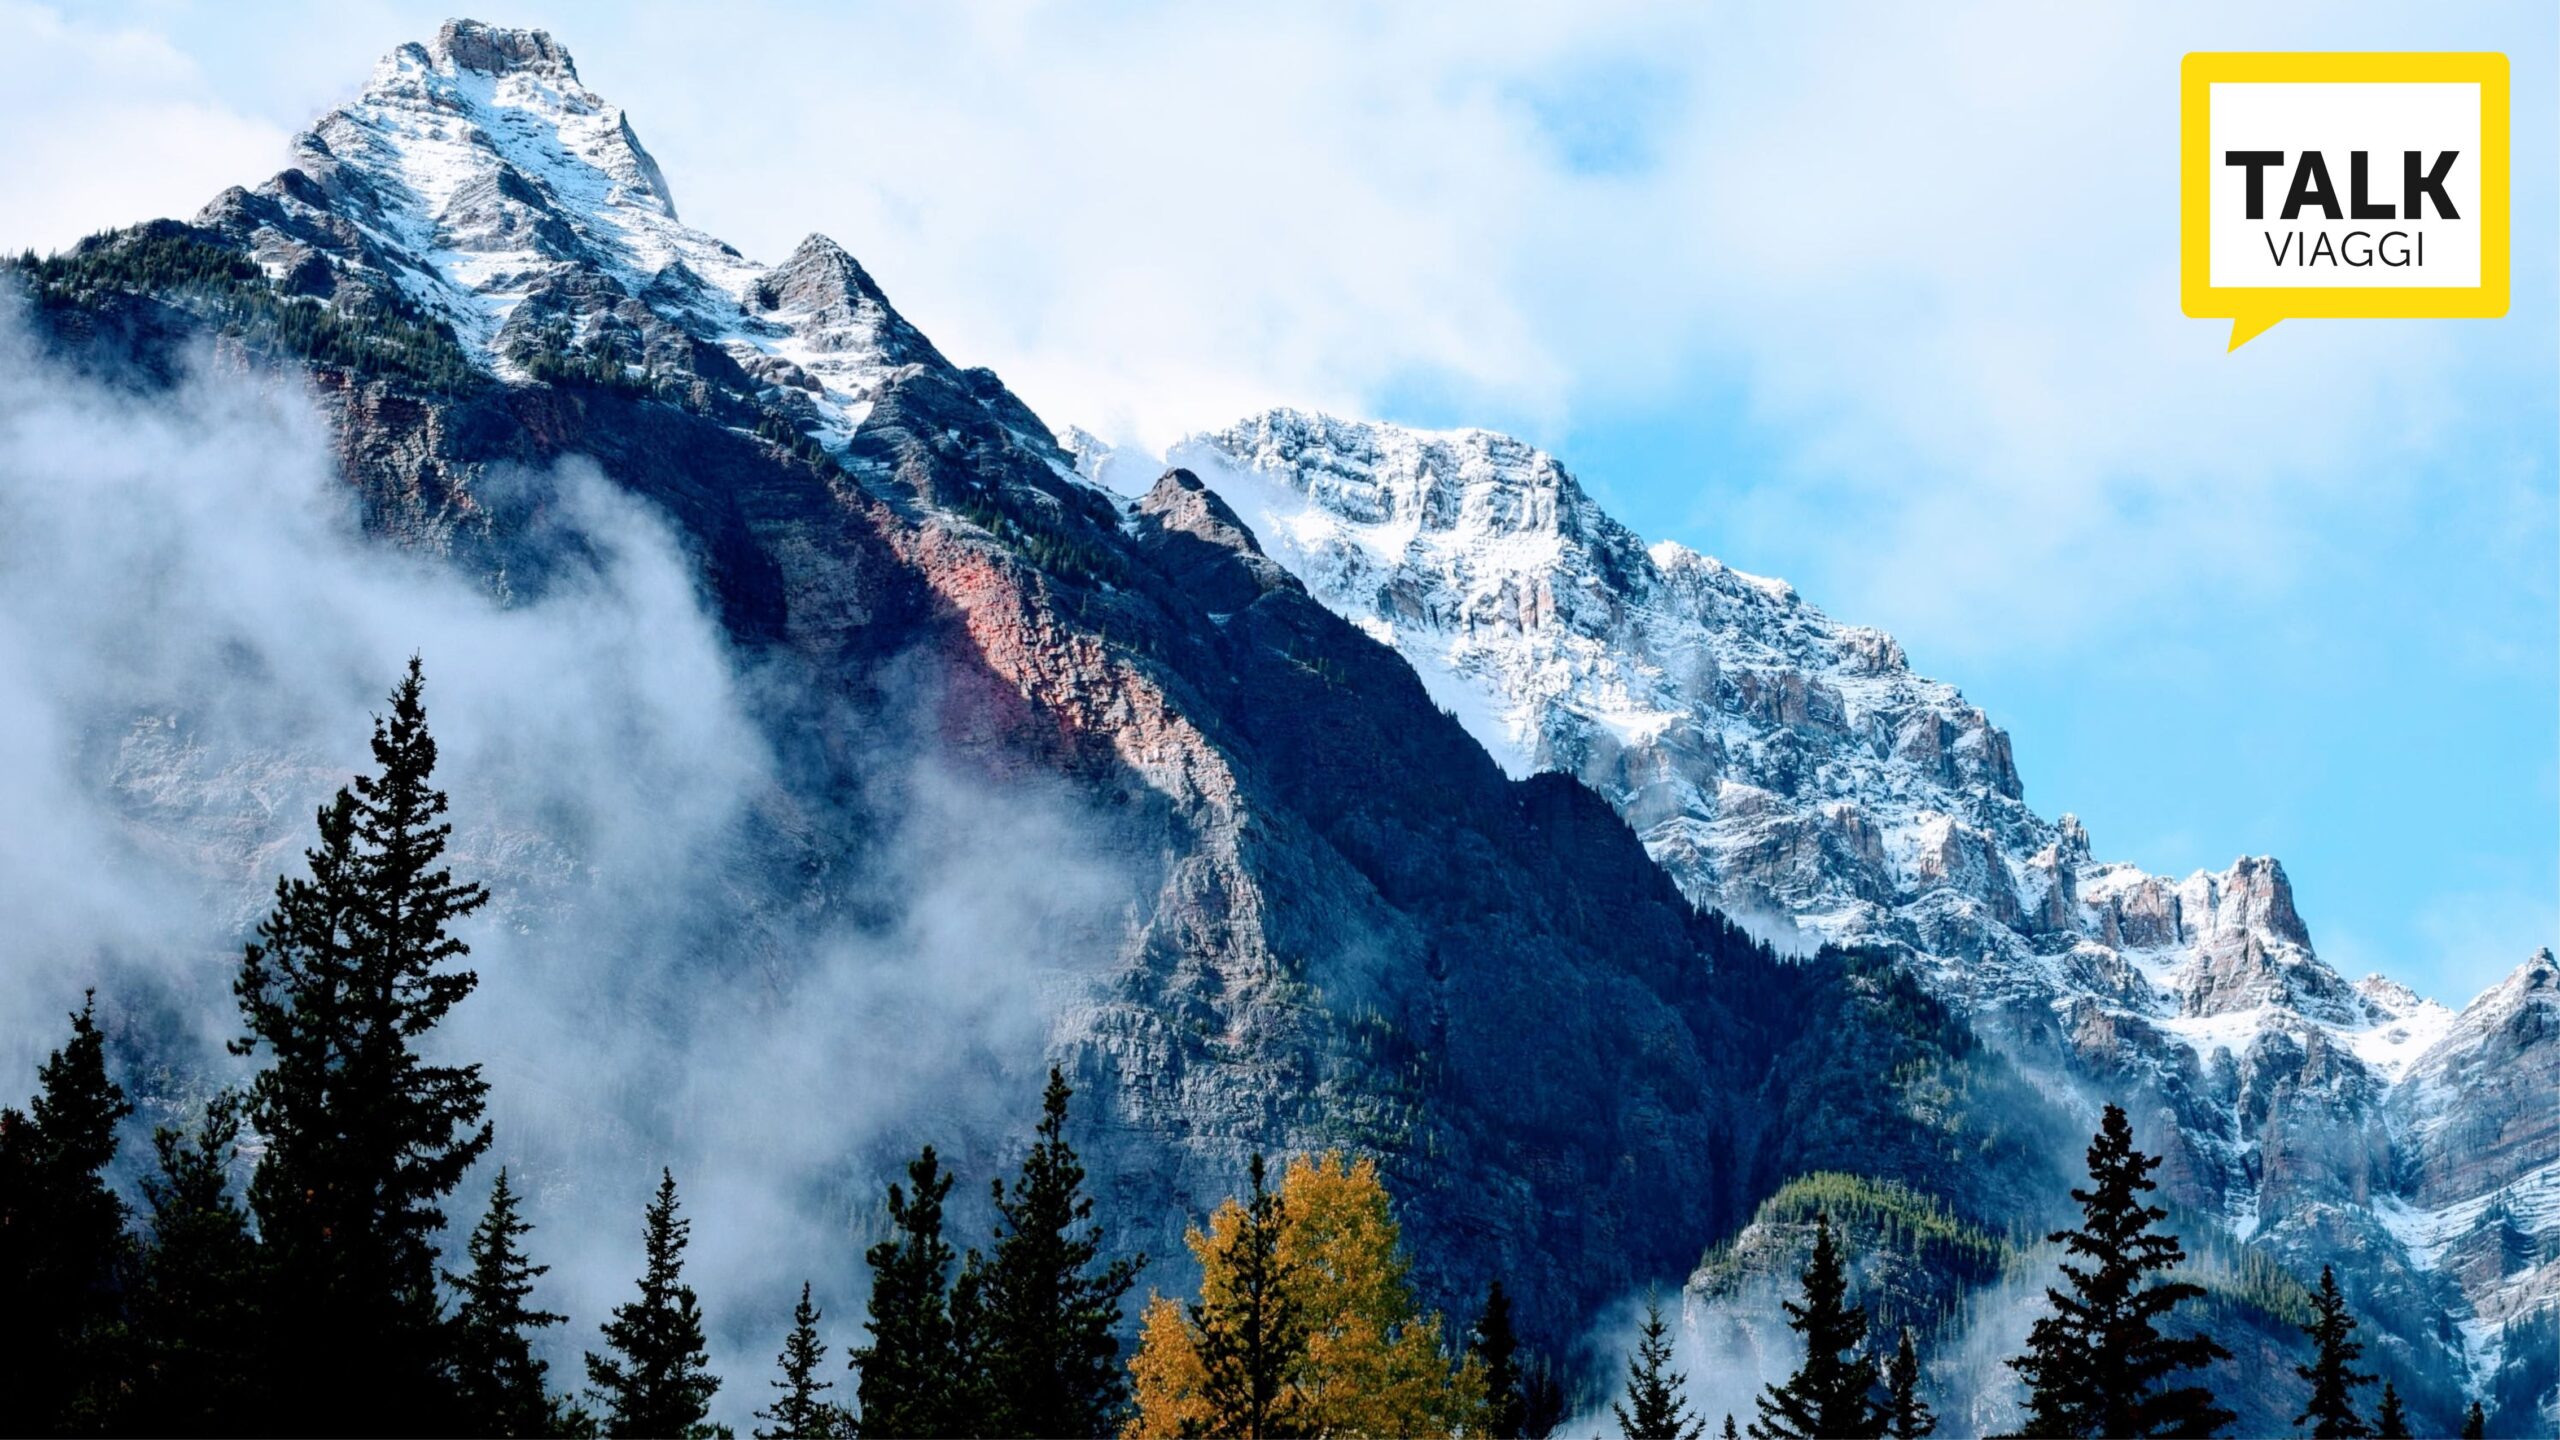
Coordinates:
x,y
1656,1407
315,1299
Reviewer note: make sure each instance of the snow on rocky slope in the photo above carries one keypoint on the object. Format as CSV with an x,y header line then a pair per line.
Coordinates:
x,y
1791,768
479,182
1784,767
481,278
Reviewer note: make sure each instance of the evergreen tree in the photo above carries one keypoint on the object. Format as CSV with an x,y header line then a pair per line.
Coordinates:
x,y
1906,1415
498,1384
63,1252
197,1361
2331,1411
912,1379
1506,1398
350,971
2390,1422
2475,1423
657,1381
1043,1306
2098,1365
1728,1427
1655,1408
1828,1395
1251,1334
801,1411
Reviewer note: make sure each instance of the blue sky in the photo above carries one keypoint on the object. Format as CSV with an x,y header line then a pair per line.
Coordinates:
x,y
1880,299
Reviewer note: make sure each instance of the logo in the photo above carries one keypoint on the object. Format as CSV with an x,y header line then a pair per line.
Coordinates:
x,y
2342,186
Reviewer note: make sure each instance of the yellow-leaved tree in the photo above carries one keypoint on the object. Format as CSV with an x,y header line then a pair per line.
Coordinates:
x,y
1306,1323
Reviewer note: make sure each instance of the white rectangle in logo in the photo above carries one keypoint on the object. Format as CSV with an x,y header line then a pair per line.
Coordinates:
x,y
2344,184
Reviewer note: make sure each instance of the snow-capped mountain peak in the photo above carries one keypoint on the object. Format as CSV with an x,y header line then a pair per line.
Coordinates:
x,y
488,158
479,182
1786,766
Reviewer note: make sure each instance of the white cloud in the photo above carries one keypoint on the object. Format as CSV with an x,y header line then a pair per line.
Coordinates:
x,y
1918,262
698,953
108,126
1933,251
1930,250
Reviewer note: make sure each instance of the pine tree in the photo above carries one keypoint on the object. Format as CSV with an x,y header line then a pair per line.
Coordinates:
x,y
1655,1408
801,1411
350,971
498,1384
2390,1422
2331,1411
1828,1395
1497,1348
1728,1427
657,1381
913,1382
1251,1334
63,1252
2098,1365
1043,1306
197,1359
1906,1415
2475,1423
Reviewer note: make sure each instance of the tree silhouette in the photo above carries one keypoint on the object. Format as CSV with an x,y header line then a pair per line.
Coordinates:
x,y
656,1378
913,1381
198,1363
1497,1349
351,970
1655,1407
1045,1303
2390,1422
63,1253
1829,1394
1906,1415
801,1411
498,1384
2331,1411
2099,1364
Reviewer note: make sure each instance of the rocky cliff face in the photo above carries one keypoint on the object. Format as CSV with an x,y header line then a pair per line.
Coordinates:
x,y
1345,924
1381,727
1791,769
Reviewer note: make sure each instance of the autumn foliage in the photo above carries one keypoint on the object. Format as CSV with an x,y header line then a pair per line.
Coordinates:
x,y
1358,1356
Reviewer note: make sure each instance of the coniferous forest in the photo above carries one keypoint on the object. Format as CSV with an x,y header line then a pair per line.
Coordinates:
x,y
305,1259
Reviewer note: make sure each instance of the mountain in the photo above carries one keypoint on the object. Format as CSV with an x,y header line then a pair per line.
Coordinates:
x,y
1329,917
1793,771
1439,817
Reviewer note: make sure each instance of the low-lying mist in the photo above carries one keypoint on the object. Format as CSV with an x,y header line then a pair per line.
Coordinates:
x,y
1732,1344
772,985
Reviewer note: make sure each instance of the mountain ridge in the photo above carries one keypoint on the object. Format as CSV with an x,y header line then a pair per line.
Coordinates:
x,y
1351,925
1786,765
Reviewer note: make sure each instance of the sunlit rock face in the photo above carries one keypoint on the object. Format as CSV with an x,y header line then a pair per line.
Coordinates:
x,y
1791,768
1324,916
1411,769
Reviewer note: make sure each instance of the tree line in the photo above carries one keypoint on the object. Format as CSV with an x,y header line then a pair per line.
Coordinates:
x,y
315,1300
2099,1363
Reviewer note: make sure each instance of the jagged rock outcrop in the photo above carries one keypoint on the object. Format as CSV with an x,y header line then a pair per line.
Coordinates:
x,y
1344,923
1419,763
1787,766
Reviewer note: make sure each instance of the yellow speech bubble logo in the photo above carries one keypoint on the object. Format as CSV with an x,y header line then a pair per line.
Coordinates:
x,y
2342,186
